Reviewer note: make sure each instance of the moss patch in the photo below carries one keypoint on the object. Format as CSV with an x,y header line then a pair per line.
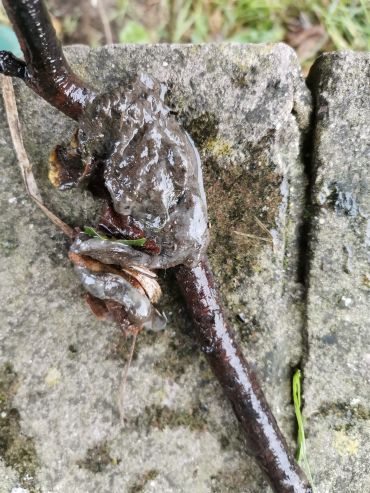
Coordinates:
x,y
229,480
161,417
97,458
203,129
242,198
345,412
366,281
243,195
17,450
182,353
142,481
218,147
249,330
119,346
182,348
8,245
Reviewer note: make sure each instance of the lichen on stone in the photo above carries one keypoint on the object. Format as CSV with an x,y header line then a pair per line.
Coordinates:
x,y
16,449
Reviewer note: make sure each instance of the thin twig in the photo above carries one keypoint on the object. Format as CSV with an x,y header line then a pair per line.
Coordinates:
x,y
121,392
22,157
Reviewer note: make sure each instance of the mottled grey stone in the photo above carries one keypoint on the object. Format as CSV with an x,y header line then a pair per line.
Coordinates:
x,y
248,110
337,381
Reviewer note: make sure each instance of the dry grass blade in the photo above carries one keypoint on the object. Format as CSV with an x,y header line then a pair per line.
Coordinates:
x,y
149,284
23,161
144,270
252,237
262,226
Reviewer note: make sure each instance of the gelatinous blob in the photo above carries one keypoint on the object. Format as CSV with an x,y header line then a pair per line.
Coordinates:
x,y
109,252
150,167
108,286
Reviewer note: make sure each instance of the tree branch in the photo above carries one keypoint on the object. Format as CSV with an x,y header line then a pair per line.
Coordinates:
x,y
45,69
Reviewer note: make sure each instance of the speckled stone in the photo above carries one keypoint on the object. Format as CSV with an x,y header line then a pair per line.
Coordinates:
x,y
248,110
337,383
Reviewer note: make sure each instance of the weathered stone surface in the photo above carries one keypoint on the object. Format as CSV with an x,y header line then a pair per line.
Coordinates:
x,y
337,383
247,109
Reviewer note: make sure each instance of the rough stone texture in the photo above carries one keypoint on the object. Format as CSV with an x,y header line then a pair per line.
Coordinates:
x,y
337,383
248,109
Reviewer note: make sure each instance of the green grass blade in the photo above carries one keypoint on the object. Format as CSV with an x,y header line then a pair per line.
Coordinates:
x,y
88,230
297,408
139,242
301,454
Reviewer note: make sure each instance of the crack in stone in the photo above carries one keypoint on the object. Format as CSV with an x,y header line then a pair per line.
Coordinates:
x,y
305,232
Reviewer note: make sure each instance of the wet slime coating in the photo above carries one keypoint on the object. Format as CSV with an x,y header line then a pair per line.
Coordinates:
x,y
133,150
131,143
263,437
130,150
